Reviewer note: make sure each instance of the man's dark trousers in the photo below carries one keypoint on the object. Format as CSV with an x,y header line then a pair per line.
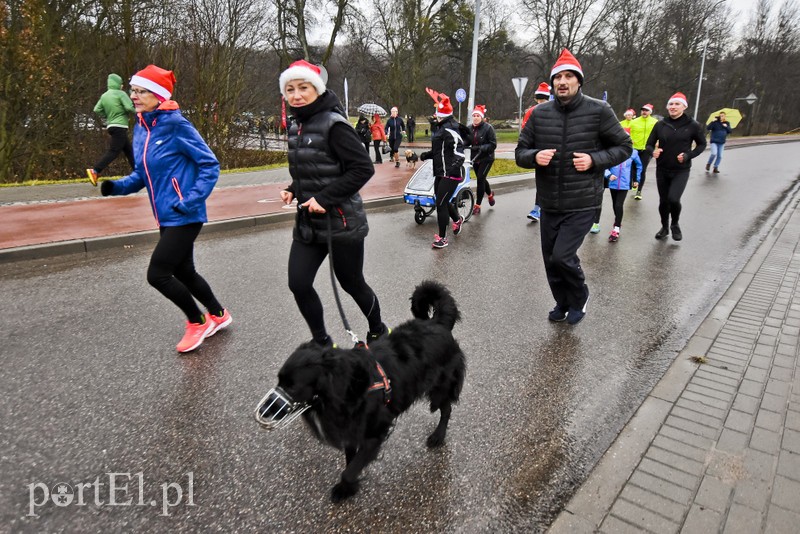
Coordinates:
x,y
119,143
562,235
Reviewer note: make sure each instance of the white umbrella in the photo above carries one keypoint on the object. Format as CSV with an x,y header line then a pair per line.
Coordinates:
x,y
371,109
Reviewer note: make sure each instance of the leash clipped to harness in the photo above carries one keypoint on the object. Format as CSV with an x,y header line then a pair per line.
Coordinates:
x,y
383,384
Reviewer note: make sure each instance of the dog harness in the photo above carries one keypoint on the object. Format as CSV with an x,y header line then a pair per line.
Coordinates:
x,y
383,384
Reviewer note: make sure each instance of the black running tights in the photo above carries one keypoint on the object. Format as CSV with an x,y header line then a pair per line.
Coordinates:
x,y
671,185
305,260
482,169
172,273
444,187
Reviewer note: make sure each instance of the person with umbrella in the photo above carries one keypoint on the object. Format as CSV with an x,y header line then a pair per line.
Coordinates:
x,y
720,128
378,136
328,169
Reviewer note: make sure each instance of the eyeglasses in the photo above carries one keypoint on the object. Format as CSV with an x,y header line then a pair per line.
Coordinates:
x,y
139,92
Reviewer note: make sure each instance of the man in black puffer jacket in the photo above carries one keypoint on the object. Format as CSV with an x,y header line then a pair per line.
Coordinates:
x,y
569,141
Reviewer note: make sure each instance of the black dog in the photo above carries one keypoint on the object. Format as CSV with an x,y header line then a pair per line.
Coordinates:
x,y
353,405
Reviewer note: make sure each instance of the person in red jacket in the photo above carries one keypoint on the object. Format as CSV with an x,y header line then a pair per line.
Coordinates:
x,y
542,94
378,135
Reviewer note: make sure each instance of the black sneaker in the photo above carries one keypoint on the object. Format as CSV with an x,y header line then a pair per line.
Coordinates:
x,y
372,336
576,316
558,314
708,166
677,235
664,232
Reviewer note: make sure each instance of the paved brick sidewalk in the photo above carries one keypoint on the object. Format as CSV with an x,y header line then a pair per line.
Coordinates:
x,y
716,445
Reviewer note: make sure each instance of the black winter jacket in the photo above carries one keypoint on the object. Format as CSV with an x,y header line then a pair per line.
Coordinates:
x,y
483,142
327,161
447,148
675,137
585,125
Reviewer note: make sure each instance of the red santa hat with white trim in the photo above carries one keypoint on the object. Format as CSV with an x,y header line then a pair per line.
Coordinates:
x,y
479,110
542,91
680,98
566,61
158,81
302,70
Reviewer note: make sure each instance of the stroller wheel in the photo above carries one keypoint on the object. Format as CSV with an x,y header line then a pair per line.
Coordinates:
x,y
419,216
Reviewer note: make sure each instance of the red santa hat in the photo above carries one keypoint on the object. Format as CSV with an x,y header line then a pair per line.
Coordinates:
x,y
158,81
680,98
566,61
302,70
479,110
648,107
542,91
629,111
443,106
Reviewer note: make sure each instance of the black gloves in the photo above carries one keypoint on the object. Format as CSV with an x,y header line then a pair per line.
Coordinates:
x,y
106,188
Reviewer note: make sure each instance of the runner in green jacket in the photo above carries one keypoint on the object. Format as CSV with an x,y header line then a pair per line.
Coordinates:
x,y
115,107
641,127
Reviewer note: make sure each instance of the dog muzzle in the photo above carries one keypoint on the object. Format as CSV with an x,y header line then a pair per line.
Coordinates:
x,y
277,409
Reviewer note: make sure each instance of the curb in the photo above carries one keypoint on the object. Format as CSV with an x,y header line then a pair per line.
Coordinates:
x,y
591,503
96,244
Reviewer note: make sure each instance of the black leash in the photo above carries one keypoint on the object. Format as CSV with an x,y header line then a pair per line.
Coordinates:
x,y
346,324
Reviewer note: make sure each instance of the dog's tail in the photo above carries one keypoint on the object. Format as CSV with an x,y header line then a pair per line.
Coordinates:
x,y
431,300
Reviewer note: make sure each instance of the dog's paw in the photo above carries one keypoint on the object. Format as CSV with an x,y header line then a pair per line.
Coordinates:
x,y
435,440
343,490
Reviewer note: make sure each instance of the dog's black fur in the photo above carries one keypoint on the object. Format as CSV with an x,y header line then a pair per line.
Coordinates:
x,y
421,359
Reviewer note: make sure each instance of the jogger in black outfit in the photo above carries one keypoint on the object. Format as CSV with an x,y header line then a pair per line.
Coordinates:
x,y
483,142
328,168
674,135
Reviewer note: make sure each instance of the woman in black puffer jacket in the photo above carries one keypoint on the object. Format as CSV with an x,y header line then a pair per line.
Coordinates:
x,y
447,153
328,169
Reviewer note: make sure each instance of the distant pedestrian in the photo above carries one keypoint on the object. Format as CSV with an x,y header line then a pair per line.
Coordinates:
x,y
619,180
328,169
411,125
641,127
363,131
674,136
378,136
720,128
569,141
115,107
179,172
542,94
262,132
395,129
483,141
447,153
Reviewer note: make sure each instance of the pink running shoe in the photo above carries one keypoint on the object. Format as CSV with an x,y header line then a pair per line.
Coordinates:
x,y
612,238
457,225
476,209
194,335
219,322
491,199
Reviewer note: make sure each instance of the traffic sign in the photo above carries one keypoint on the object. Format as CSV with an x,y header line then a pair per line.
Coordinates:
x,y
461,95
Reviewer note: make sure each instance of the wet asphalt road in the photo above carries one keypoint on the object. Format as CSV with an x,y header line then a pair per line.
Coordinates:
x,y
93,386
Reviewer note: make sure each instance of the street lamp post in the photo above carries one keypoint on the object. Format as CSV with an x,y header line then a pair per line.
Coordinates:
x,y
700,81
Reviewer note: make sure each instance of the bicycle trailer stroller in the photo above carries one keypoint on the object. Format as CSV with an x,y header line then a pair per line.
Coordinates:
x,y
420,194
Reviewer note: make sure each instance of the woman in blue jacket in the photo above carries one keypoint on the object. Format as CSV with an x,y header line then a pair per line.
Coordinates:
x,y
179,171
618,180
